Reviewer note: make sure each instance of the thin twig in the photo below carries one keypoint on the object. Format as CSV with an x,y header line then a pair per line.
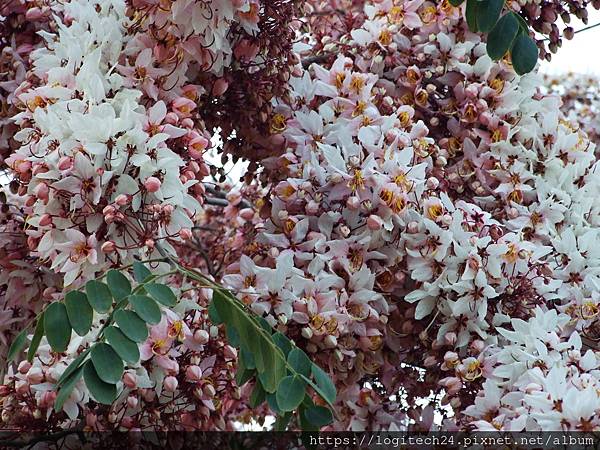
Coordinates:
x,y
579,31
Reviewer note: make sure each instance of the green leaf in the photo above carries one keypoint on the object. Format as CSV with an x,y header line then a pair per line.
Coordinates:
x,y
264,324
299,361
222,307
257,396
456,2
102,392
283,342
213,314
282,422
125,347
233,336
247,359
243,375
290,393
524,54
65,391
161,293
326,388
72,367
131,325
488,12
79,311
140,272
56,326
146,308
471,14
108,364
318,415
272,402
98,295
275,369
522,23
18,345
38,334
501,37
305,425
119,285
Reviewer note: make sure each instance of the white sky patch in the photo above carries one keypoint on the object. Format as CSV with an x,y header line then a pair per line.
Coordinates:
x,y
579,55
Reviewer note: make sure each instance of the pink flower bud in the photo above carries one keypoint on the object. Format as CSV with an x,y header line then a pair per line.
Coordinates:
x,y
201,336
230,352
185,234
247,213
45,220
450,338
21,387
433,183
330,341
130,380
122,199
453,385
47,294
220,87
127,422
33,14
65,163
47,399
149,243
108,247
23,167
374,222
353,202
24,367
170,384
41,191
148,395
477,346
132,401
152,184
35,375
193,373
171,118
30,200
209,390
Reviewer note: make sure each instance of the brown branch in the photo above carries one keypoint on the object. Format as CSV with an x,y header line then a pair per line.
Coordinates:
x,y
306,62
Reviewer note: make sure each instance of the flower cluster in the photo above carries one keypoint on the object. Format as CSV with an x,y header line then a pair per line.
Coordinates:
x,y
429,196
580,100
543,378
419,219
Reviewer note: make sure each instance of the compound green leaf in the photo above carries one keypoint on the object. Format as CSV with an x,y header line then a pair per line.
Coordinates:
x,y
79,311
102,392
57,327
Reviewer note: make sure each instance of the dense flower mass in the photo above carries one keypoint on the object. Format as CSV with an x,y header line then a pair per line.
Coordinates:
x,y
418,218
